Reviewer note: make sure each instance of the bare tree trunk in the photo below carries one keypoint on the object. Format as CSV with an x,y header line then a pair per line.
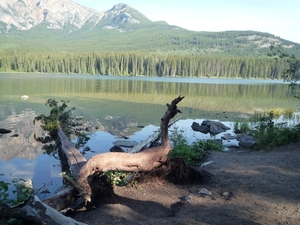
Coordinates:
x,y
143,161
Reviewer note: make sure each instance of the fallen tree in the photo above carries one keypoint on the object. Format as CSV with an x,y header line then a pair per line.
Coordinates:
x,y
145,160
34,210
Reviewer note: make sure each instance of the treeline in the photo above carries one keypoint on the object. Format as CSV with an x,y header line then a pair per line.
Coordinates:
x,y
137,63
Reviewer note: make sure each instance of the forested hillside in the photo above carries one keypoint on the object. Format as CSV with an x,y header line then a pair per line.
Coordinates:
x,y
138,63
122,41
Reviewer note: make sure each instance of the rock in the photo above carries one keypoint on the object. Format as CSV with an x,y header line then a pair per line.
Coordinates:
x,y
208,126
24,97
247,144
246,141
229,144
206,164
185,198
116,148
228,136
124,143
204,191
203,129
4,131
225,194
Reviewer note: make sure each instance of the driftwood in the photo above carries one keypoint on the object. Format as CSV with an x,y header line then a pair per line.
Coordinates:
x,y
146,160
33,211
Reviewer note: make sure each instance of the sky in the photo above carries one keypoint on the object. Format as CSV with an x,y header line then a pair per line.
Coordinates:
x,y
278,17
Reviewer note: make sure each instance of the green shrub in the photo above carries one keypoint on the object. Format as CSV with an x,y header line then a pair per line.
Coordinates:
x,y
270,134
193,153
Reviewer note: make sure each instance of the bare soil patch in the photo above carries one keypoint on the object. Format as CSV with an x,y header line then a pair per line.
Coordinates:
x,y
247,187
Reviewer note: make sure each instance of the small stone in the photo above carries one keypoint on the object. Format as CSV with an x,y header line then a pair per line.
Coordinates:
x,y
206,164
225,194
185,198
204,191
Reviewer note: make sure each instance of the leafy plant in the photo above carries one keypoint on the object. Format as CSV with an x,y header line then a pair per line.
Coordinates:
x,y
193,153
66,119
119,178
21,191
59,117
4,190
270,134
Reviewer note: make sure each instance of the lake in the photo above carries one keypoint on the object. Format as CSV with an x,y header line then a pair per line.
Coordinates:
x,y
118,106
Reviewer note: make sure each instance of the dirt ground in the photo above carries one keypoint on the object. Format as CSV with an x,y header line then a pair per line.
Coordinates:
x,y
247,187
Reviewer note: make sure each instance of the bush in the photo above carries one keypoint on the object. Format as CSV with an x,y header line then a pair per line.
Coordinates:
x,y
193,153
269,134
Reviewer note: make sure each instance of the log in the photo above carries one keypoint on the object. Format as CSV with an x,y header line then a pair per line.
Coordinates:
x,y
141,145
33,211
146,160
75,158
64,198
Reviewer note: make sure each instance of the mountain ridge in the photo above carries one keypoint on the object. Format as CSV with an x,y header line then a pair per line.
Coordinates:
x,y
63,25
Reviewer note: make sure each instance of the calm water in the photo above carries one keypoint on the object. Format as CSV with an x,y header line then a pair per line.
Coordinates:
x,y
117,105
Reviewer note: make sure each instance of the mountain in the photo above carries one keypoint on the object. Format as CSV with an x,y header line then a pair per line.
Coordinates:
x,y
62,25
62,14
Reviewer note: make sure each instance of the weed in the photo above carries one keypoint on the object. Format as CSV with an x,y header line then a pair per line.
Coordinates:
x,y
119,178
241,127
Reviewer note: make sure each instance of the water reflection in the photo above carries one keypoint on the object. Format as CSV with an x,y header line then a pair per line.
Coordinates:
x,y
129,102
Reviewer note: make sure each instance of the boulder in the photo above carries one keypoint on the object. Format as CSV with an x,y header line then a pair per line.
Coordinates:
x,y
202,129
208,126
246,141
